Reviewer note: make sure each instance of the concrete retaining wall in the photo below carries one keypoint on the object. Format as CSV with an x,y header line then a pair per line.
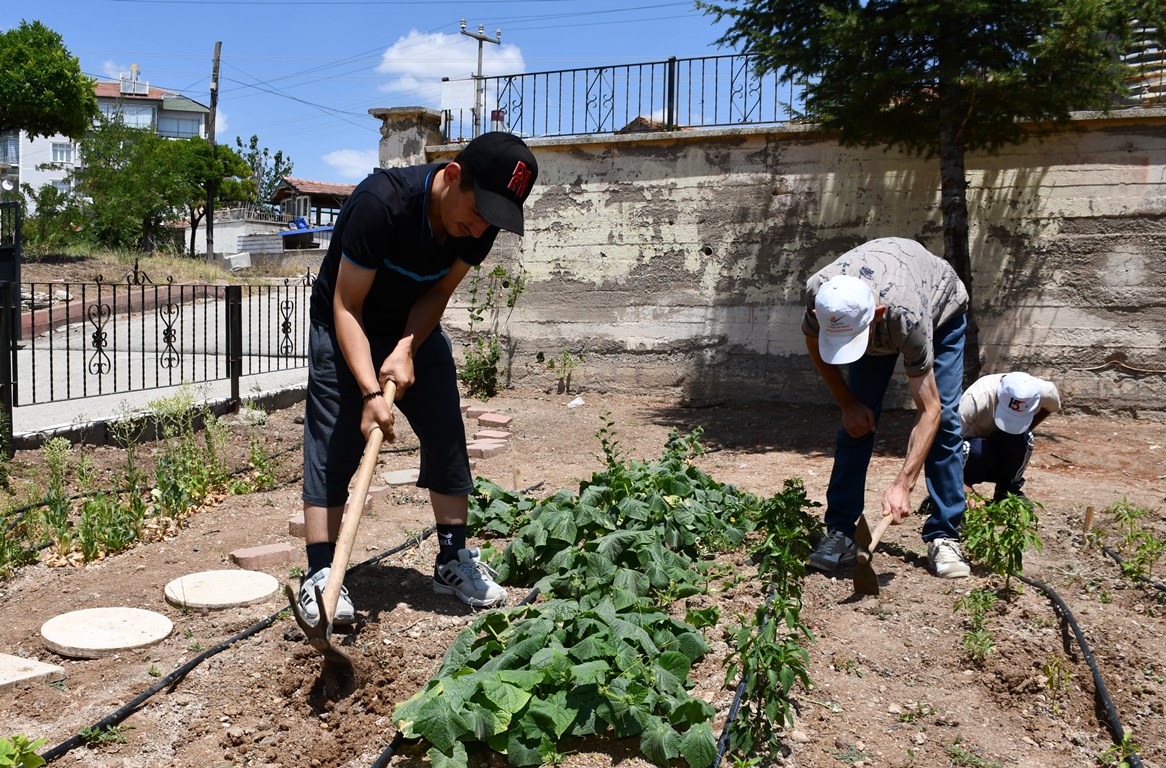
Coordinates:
x,y
674,262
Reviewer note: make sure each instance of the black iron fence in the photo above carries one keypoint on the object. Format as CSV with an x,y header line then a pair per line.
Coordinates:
x,y
659,95
706,91
88,339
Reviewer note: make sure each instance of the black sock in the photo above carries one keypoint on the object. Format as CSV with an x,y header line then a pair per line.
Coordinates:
x,y
319,556
450,539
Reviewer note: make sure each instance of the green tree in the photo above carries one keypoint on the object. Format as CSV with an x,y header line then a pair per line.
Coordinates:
x,y
226,169
942,78
134,181
42,90
267,169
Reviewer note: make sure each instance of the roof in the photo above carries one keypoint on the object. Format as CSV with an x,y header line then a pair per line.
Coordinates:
x,y
169,99
293,187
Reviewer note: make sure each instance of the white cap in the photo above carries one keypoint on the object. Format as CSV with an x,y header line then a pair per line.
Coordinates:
x,y
844,308
1019,402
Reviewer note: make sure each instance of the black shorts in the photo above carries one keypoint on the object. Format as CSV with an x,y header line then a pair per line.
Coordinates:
x,y
333,443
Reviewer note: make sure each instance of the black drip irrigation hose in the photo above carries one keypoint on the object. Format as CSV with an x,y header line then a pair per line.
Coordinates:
x,y
174,677
1102,692
1117,558
723,741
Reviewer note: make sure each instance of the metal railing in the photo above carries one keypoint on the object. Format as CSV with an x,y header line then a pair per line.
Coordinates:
x,y
89,339
707,91
659,95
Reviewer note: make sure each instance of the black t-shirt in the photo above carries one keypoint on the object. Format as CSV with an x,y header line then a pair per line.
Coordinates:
x,y
384,226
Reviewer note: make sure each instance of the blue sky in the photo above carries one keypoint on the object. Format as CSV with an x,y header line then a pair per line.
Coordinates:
x,y
302,74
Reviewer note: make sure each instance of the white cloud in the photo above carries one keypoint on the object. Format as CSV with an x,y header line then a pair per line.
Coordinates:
x,y
220,122
112,70
352,164
416,63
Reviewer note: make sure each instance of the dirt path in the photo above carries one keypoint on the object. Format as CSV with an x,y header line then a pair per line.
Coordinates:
x,y
893,686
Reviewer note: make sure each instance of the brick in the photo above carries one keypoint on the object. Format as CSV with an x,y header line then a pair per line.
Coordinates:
x,y
484,449
375,492
492,434
402,476
474,411
266,556
494,420
466,405
295,525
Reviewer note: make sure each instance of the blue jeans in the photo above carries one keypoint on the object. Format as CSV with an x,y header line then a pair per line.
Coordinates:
x,y
943,468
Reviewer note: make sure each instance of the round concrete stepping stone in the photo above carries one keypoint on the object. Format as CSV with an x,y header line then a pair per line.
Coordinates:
x,y
96,632
221,589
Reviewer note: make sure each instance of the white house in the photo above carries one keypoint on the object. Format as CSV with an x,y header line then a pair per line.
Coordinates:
x,y
39,161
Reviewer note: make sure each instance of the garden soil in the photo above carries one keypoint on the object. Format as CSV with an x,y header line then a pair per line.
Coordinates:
x,y
892,684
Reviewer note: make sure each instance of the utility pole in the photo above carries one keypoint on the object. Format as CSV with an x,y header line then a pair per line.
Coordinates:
x,y
212,185
479,85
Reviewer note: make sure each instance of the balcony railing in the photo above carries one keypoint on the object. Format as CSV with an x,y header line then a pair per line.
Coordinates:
x,y
709,91
659,95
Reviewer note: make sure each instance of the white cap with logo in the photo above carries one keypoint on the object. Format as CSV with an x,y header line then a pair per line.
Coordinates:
x,y
844,307
1019,402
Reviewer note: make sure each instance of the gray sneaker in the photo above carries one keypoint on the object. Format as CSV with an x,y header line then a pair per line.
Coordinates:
x,y
946,559
345,612
833,551
470,579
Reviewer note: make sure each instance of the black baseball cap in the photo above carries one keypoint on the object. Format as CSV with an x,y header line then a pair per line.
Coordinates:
x,y
504,170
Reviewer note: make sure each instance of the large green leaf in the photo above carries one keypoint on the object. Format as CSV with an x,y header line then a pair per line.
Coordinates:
x,y
439,723
456,758
504,696
699,746
660,742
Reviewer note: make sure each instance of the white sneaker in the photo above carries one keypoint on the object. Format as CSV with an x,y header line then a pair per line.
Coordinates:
x,y
345,612
470,579
834,550
947,559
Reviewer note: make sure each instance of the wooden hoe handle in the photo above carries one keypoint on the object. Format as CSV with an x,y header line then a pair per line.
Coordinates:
x,y
354,510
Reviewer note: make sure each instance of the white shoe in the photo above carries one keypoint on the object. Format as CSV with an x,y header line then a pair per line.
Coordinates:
x,y
947,559
470,579
345,612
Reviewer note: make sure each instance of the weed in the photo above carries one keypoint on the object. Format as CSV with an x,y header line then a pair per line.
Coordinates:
x,y
1057,677
561,367
976,604
1117,755
918,711
153,671
57,505
850,755
110,734
978,644
962,757
488,294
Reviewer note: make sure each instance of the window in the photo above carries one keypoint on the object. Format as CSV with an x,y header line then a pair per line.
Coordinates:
x,y
63,153
132,115
63,186
9,149
177,127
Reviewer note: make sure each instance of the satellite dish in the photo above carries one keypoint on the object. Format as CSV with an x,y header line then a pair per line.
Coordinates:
x,y
7,185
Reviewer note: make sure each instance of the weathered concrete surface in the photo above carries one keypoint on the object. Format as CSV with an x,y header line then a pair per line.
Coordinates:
x,y
673,262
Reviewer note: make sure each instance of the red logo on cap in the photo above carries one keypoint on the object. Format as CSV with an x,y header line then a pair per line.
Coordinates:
x,y
1017,405
519,180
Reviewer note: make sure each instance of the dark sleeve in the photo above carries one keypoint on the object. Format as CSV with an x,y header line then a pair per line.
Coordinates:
x,y
367,233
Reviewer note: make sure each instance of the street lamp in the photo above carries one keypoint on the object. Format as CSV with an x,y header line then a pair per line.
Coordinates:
x,y
479,86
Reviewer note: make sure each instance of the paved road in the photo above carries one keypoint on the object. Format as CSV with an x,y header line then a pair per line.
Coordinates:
x,y
86,371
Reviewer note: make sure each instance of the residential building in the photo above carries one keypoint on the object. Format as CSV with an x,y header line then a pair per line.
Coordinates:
x,y
49,160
